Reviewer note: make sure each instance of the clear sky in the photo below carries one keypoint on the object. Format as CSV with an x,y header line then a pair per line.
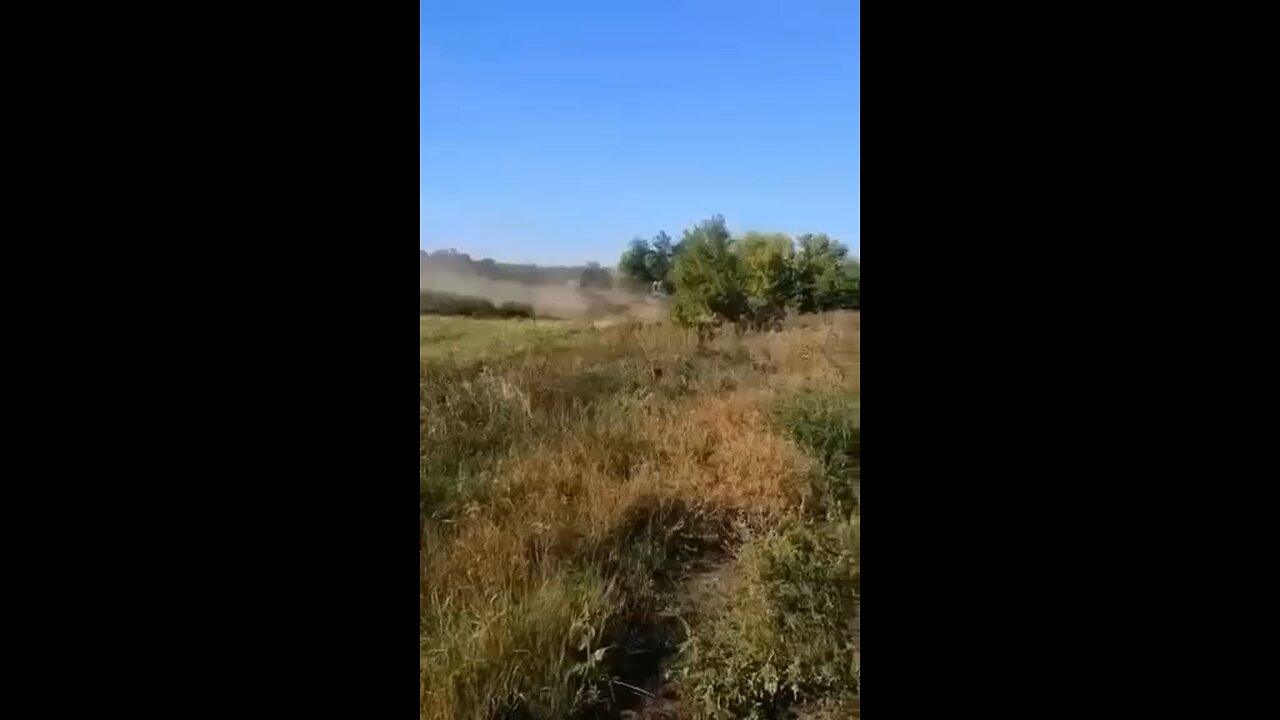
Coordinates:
x,y
554,131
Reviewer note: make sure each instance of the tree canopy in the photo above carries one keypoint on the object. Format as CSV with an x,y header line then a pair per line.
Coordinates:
x,y
646,262
757,276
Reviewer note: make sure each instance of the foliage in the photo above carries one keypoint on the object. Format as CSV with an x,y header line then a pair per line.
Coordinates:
x,y
852,297
757,277
825,278
633,264
827,425
767,274
646,262
708,276
660,261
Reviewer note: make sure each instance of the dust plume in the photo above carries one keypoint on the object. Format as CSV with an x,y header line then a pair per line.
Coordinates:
x,y
559,300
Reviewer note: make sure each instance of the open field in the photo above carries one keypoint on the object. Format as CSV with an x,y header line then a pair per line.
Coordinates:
x,y
621,521
475,338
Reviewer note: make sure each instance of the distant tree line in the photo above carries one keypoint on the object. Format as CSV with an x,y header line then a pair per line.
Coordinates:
x,y
461,263
712,276
755,278
434,302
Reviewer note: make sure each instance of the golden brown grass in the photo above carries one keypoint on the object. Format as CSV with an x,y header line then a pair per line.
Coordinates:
x,y
563,485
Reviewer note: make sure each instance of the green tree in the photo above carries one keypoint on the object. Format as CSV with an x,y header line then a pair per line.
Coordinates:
x,y
767,273
852,284
660,261
646,262
708,276
822,281
634,263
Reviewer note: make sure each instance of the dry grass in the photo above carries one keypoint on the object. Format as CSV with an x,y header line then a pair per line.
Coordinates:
x,y
565,485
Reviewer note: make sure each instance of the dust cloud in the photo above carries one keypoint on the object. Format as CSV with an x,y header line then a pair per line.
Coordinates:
x,y
548,300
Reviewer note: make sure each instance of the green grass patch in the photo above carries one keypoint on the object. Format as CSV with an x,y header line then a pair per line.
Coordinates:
x,y
782,633
828,425
469,338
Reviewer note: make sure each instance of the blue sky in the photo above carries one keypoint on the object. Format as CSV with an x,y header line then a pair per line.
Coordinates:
x,y
554,131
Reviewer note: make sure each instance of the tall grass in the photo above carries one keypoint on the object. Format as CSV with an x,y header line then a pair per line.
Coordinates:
x,y
827,425
781,635
565,490
780,631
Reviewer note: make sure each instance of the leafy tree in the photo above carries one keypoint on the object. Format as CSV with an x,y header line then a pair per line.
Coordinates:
x,y
647,262
708,276
822,282
634,263
852,284
756,277
661,260
767,273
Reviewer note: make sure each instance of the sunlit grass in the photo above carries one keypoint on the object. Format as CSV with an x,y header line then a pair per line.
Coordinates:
x,y
570,475
469,338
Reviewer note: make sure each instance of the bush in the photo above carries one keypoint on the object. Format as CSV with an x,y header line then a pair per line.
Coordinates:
x,y
752,279
708,276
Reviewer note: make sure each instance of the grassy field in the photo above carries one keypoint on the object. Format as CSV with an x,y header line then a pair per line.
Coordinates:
x,y
466,338
624,522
